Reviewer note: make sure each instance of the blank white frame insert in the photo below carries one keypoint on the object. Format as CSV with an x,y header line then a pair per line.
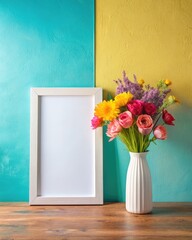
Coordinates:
x,y
66,155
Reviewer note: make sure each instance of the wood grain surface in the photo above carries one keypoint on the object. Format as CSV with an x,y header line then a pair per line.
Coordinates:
x,y
18,221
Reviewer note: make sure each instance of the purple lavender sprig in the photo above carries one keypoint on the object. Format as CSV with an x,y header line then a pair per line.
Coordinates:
x,y
126,85
146,94
155,95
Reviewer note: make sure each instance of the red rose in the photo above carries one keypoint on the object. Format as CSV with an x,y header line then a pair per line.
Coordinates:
x,y
168,118
135,107
150,108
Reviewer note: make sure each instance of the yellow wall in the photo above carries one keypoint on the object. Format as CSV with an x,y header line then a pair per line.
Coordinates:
x,y
151,38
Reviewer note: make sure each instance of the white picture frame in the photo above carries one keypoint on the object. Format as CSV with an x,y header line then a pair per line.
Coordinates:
x,y
66,155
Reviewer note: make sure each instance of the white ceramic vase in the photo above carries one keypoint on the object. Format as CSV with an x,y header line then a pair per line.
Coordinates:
x,y
138,185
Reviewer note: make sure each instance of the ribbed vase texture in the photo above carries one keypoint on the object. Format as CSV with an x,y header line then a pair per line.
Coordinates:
x,y
138,185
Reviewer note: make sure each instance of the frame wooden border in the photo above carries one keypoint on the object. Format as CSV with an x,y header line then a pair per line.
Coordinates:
x,y
35,199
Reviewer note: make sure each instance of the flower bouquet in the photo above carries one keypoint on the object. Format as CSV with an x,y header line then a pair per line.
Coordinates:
x,y
137,114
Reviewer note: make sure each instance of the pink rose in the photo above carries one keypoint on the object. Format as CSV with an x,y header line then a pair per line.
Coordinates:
x,y
113,129
144,124
168,118
135,107
150,108
96,122
126,119
160,132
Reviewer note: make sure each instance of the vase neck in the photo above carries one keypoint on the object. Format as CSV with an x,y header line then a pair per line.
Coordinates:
x,y
138,155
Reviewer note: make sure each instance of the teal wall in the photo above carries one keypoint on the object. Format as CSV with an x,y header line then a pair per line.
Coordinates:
x,y
42,43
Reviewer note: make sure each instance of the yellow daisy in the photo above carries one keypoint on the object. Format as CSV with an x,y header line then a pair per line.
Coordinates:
x,y
107,110
123,98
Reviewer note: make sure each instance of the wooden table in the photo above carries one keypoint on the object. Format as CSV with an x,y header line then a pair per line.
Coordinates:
x,y
18,221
